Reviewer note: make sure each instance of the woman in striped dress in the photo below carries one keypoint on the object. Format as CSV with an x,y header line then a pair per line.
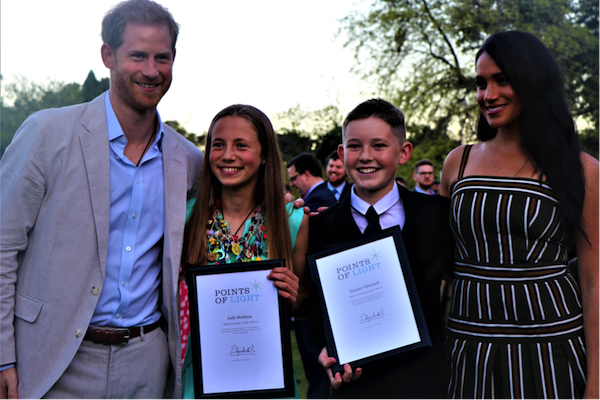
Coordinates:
x,y
523,199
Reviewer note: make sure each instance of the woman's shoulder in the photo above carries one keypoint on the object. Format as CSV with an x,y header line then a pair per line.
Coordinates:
x,y
589,162
590,170
450,169
453,158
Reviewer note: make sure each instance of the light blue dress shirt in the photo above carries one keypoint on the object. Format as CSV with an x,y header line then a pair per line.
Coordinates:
x,y
130,293
338,190
419,190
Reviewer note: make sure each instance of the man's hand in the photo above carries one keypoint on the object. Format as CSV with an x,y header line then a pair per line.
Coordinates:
x,y
337,379
298,203
8,384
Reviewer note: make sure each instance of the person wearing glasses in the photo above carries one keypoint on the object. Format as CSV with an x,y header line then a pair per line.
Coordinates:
x,y
305,174
424,176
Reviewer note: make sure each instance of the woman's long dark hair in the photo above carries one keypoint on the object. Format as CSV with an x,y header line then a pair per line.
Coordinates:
x,y
548,133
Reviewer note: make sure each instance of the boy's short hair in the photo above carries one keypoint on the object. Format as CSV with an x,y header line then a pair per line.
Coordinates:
x,y
381,109
422,162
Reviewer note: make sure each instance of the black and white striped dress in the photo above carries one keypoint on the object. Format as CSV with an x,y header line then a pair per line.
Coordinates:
x,y
515,328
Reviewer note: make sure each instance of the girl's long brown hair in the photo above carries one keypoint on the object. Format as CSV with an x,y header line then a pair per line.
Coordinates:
x,y
268,193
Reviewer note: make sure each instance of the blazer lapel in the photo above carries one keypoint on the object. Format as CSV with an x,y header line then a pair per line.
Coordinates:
x,y
93,138
410,207
345,225
175,177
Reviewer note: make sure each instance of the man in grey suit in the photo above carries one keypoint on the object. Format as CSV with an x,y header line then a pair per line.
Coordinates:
x,y
92,204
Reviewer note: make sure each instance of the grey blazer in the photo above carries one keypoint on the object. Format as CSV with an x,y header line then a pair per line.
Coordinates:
x,y
54,208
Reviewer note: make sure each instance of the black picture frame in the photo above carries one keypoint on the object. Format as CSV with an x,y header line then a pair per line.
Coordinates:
x,y
288,388
313,260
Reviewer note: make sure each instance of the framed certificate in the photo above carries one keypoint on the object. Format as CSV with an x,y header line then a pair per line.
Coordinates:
x,y
240,335
368,299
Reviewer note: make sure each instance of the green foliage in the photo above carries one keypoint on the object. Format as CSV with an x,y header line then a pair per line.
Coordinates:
x,y
301,380
92,87
421,52
198,140
426,145
23,97
292,143
328,143
301,131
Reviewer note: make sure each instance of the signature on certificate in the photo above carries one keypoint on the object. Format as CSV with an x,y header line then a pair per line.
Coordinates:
x,y
243,350
368,317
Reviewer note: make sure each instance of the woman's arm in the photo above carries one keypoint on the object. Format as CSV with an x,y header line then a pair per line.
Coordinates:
x,y
450,171
587,261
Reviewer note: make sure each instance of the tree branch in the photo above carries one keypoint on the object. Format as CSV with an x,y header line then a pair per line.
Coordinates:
x,y
439,29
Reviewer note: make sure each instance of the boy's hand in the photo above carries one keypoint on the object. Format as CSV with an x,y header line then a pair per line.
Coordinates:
x,y
337,379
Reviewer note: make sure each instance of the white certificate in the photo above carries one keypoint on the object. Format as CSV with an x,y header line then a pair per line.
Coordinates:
x,y
369,297
239,332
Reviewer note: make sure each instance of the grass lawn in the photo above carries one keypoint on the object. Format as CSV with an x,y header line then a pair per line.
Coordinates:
x,y
298,368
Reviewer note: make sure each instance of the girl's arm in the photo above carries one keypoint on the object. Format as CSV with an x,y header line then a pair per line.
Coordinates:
x,y
285,280
299,260
587,261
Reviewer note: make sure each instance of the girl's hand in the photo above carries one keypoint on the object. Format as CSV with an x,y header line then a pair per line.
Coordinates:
x,y
287,283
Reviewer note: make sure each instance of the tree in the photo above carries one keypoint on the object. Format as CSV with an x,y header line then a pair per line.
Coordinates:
x,y
421,52
291,143
23,97
301,131
198,140
328,143
92,87
427,145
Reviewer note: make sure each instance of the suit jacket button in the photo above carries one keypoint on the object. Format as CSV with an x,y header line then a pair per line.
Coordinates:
x,y
78,333
95,290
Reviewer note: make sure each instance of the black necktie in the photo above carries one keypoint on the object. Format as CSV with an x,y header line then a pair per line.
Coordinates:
x,y
373,222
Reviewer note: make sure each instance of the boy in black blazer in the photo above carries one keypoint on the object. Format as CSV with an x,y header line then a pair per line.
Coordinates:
x,y
373,147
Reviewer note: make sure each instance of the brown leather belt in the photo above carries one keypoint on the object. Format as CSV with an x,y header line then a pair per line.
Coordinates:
x,y
108,335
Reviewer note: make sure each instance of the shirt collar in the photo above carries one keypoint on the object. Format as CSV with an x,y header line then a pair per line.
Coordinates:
x,y
339,189
384,204
418,189
114,127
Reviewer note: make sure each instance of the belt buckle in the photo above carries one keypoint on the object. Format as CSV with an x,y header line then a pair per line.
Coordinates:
x,y
126,335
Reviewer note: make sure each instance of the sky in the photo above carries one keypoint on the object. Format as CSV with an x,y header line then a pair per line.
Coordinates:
x,y
272,54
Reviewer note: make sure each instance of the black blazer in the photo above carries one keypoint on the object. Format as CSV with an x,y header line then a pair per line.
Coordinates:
x,y
430,247
319,197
